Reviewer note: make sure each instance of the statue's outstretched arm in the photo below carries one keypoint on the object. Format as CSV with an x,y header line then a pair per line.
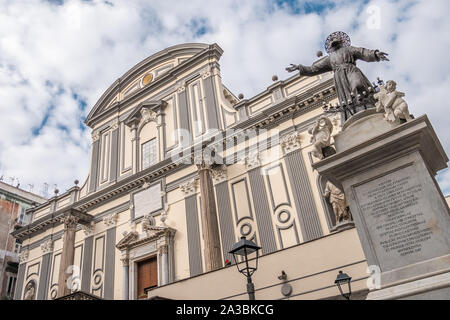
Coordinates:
x,y
316,68
368,55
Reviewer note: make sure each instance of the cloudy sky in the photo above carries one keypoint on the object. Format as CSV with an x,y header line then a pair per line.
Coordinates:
x,y
58,57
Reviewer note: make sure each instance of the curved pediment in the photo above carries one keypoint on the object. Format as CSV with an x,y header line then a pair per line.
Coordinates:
x,y
145,73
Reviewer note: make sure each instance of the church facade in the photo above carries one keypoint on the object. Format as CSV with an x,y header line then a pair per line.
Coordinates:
x,y
181,169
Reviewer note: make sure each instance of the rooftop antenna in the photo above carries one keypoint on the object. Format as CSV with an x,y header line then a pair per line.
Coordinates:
x,y
45,190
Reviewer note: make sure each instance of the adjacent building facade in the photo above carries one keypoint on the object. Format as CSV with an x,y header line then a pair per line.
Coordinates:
x,y
13,205
181,168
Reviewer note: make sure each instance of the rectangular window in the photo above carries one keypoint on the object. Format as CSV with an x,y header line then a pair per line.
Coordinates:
x,y
21,218
11,286
17,247
148,154
105,157
147,275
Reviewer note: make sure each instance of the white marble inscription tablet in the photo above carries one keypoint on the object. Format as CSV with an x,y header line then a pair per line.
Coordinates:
x,y
147,201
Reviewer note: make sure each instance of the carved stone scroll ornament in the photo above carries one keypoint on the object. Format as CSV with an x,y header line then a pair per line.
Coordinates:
x,y
391,102
320,137
23,256
337,199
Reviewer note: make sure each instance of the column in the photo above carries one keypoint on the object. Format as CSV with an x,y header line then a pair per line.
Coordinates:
x,y
125,277
67,255
213,256
163,253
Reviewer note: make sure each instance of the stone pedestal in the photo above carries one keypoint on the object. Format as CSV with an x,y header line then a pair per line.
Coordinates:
x,y
387,172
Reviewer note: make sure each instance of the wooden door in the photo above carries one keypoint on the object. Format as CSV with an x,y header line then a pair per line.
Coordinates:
x,y
147,275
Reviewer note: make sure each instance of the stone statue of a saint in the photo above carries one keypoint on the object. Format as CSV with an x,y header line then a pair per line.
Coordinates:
x,y
30,291
341,59
391,101
320,136
336,197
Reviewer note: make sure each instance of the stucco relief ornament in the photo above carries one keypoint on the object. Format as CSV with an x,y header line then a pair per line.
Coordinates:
x,y
181,86
189,187
88,229
320,137
253,160
391,101
337,199
47,246
291,142
148,115
206,72
23,256
147,222
110,220
219,174
95,136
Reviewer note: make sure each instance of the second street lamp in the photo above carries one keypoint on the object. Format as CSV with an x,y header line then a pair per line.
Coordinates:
x,y
244,248
343,279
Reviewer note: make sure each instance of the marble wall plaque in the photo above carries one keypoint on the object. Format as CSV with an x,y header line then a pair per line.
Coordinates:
x,y
147,201
402,226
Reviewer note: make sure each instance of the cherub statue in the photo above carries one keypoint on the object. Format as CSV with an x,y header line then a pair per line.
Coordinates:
x,y
390,100
336,197
29,291
321,134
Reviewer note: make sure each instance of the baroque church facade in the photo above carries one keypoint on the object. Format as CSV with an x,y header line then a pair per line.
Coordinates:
x,y
158,215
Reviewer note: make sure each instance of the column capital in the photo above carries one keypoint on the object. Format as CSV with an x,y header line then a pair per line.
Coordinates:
x,y
70,222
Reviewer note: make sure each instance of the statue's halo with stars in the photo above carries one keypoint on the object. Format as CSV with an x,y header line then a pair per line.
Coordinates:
x,y
342,36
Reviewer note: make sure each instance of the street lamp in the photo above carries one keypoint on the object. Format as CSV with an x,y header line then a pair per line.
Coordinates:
x,y
244,248
341,280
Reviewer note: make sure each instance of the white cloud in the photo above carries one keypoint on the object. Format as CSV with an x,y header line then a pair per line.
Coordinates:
x,y
50,52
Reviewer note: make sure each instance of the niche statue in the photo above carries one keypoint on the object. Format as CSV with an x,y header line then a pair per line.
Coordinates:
x,y
348,79
336,197
30,290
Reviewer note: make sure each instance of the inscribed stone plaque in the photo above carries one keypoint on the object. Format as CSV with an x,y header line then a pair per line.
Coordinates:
x,y
147,201
402,226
